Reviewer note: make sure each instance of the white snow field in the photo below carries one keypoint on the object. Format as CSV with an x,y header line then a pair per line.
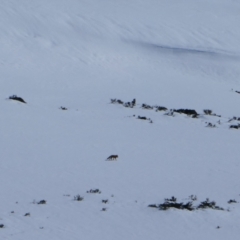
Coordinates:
x,y
80,54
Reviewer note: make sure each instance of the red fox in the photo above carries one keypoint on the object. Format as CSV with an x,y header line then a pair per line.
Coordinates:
x,y
112,157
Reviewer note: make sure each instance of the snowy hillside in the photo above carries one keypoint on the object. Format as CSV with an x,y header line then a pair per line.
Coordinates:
x,y
79,65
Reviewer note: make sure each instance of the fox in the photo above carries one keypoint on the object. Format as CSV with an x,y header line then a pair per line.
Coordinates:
x,y
112,157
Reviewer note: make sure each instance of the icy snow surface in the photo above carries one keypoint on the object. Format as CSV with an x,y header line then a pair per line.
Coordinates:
x,y
80,54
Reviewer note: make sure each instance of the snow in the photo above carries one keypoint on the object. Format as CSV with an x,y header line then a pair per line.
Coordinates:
x,y
80,55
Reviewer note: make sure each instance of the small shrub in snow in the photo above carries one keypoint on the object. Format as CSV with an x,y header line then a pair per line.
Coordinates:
x,y
235,118
112,157
94,191
208,204
207,111
15,97
117,101
130,104
78,198
145,106
211,125
195,115
232,201
104,209
172,203
42,202
231,119
169,204
1,225
26,214
235,126
172,199
160,108
145,118
142,118
105,201
193,197
63,108
134,102
170,113
126,104
153,206
186,111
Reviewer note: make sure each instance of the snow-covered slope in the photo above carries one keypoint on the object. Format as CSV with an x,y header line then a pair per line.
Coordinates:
x,y
80,55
